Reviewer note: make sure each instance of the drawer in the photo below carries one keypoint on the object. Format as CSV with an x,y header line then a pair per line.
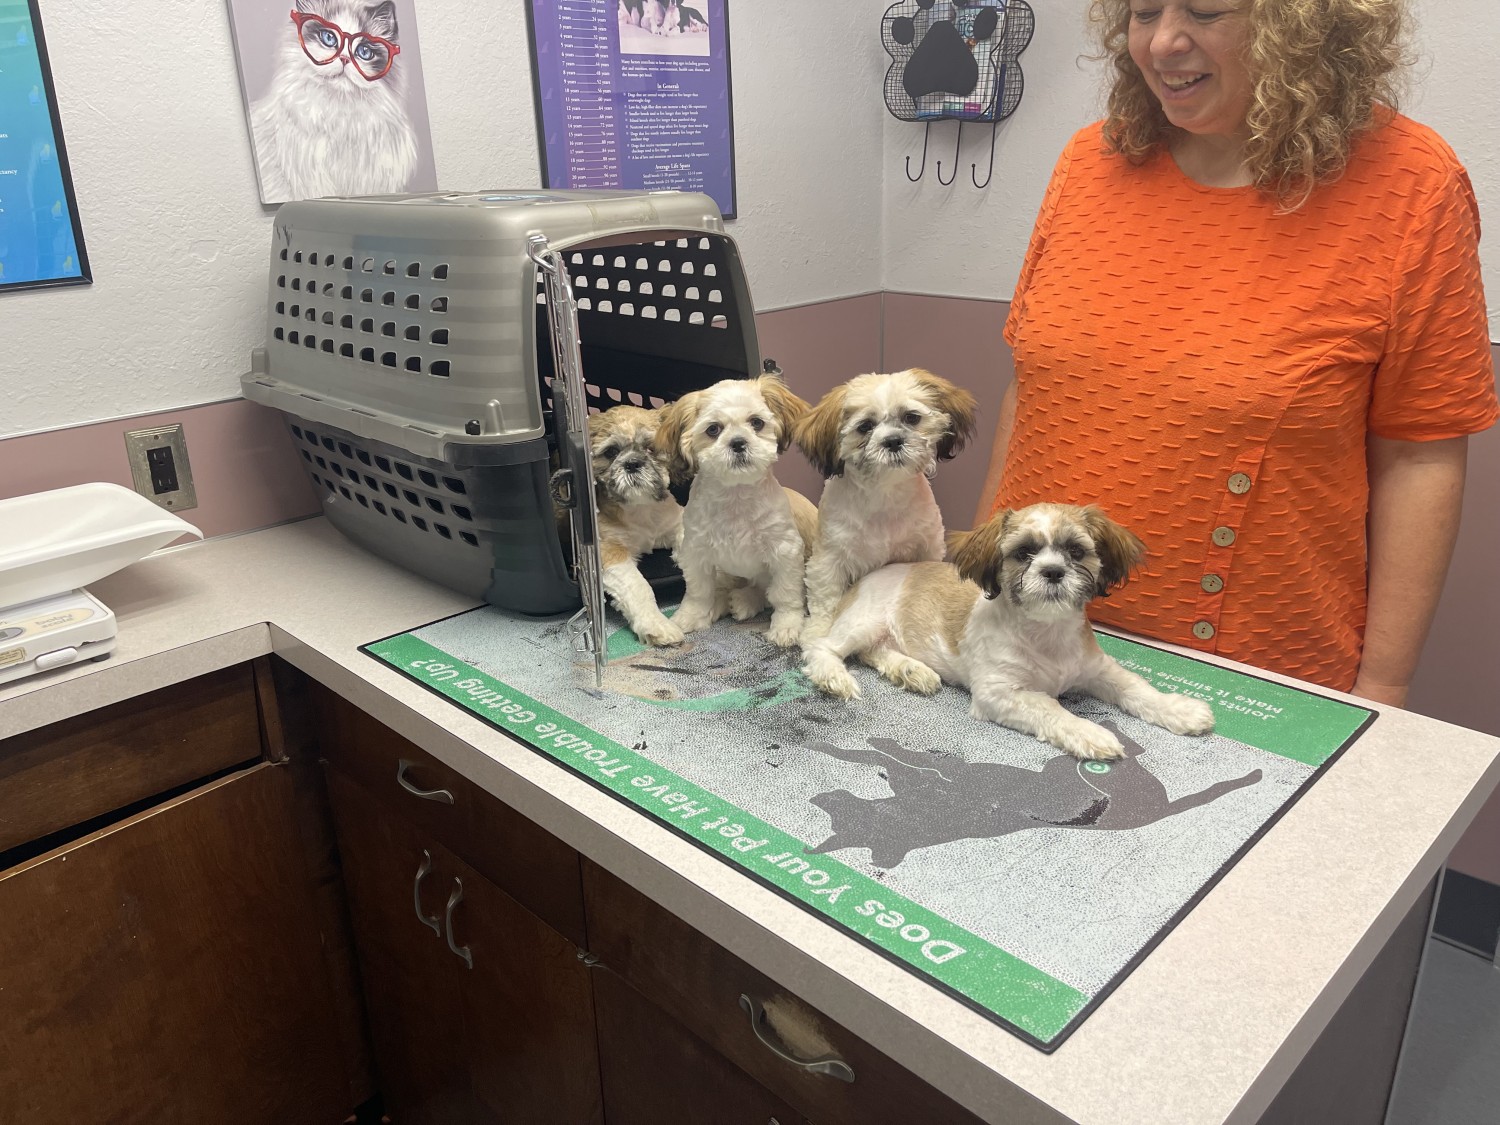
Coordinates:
x,y
653,1070
530,864
699,983
72,771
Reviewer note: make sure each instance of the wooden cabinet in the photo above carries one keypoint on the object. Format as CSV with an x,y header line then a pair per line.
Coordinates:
x,y
480,1012
164,970
513,1038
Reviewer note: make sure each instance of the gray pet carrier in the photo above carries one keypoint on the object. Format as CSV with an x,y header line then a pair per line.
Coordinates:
x,y
418,347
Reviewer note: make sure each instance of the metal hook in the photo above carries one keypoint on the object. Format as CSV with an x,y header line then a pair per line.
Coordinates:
x,y
925,133
974,168
958,140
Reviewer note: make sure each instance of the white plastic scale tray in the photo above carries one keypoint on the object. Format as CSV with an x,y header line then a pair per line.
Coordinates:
x,y
53,543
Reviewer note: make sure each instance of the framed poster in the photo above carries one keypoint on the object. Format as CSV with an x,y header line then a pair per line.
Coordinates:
x,y
634,94
334,97
41,241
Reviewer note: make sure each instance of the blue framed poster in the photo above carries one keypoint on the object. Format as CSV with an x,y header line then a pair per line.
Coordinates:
x,y
41,241
634,94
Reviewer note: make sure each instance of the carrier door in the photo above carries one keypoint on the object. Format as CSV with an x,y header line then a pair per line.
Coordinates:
x,y
573,483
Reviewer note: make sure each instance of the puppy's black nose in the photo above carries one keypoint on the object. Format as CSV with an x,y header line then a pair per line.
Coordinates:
x,y
894,442
739,445
633,464
1053,574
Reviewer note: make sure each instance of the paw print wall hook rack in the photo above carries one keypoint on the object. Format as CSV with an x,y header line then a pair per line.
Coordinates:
x,y
955,60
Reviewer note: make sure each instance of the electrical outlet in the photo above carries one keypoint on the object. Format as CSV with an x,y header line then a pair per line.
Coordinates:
x,y
159,466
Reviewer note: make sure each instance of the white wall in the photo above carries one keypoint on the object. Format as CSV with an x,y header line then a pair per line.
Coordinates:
x,y
961,242
178,240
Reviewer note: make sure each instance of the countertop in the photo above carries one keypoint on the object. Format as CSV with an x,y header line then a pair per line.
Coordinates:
x,y
1205,1030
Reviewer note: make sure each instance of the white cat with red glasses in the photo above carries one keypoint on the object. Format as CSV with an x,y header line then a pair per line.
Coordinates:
x,y
335,120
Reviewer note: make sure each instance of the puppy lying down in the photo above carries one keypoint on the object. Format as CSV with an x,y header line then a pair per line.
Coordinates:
x,y
1006,620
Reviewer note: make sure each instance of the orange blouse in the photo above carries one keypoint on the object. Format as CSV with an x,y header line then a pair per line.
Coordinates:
x,y
1206,370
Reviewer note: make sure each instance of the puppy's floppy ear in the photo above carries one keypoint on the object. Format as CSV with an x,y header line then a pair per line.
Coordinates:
x,y
674,435
788,408
955,402
1120,551
976,553
817,433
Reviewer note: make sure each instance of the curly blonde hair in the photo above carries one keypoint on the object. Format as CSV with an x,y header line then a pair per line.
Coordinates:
x,y
1323,72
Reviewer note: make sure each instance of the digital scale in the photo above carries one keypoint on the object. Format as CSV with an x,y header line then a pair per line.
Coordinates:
x,y
54,544
54,632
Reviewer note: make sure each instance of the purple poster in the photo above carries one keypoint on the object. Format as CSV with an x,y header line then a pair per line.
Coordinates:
x,y
634,94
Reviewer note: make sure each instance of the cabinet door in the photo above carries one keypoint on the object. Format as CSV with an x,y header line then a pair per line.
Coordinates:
x,y
486,1018
165,970
656,1071
412,991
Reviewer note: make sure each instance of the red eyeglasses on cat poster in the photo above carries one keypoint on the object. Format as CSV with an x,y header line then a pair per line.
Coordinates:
x,y
334,96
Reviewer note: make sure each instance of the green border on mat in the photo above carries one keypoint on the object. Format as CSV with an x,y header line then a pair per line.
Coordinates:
x,y
1000,982
1282,720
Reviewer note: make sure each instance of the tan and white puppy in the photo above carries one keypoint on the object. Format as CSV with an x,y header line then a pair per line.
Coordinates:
x,y
1006,621
637,513
744,538
876,440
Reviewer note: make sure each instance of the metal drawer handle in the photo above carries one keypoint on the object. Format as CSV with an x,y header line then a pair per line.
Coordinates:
x,y
453,900
831,1065
442,795
416,892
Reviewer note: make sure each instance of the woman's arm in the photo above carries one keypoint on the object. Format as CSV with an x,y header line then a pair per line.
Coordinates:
x,y
997,455
1416,492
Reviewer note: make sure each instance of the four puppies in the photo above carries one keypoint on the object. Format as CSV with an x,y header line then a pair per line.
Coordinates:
x,y
637,513
744,538
876,440
1006,621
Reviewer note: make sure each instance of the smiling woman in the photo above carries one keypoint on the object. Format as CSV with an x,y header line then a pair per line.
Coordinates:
x,y
1250,324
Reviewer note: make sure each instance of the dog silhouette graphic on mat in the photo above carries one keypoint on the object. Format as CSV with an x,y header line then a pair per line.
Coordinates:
x,y
937,800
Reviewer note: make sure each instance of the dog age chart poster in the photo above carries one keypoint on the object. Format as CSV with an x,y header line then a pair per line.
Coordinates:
x,y
634,94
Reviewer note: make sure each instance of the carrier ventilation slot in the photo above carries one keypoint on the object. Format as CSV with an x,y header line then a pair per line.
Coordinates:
x,y
316,273
375,487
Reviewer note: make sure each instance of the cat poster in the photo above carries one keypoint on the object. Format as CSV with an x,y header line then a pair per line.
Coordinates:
x,y
334,97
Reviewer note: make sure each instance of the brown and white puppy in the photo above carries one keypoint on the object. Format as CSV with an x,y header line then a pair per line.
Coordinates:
x,y
637,513
1006,621
877,439
744,538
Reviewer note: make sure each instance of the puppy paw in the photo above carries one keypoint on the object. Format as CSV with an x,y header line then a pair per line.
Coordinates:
x,y
911,675
661,633
746,601
784,630
691,620
1086,740
835,681
1182,714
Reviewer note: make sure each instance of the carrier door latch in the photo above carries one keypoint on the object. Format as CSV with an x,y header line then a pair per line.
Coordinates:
x,y
561,487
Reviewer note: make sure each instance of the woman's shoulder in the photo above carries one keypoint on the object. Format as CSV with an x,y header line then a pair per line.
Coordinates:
x,y
1397,144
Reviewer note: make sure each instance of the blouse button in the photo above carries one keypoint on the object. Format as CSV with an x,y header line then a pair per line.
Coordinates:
x,y
1223,536
1203,630
1212,583
1239,484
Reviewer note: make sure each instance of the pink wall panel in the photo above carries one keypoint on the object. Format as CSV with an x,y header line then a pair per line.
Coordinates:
x,y
818,347
959,340
243,463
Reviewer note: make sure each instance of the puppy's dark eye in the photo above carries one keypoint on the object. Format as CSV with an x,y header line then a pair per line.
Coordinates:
x,y
911,418
757,424
1023,554
1076,552
865,427
713,430
610,451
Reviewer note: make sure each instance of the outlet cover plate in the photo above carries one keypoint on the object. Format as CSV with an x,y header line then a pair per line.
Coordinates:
x,y
138,442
